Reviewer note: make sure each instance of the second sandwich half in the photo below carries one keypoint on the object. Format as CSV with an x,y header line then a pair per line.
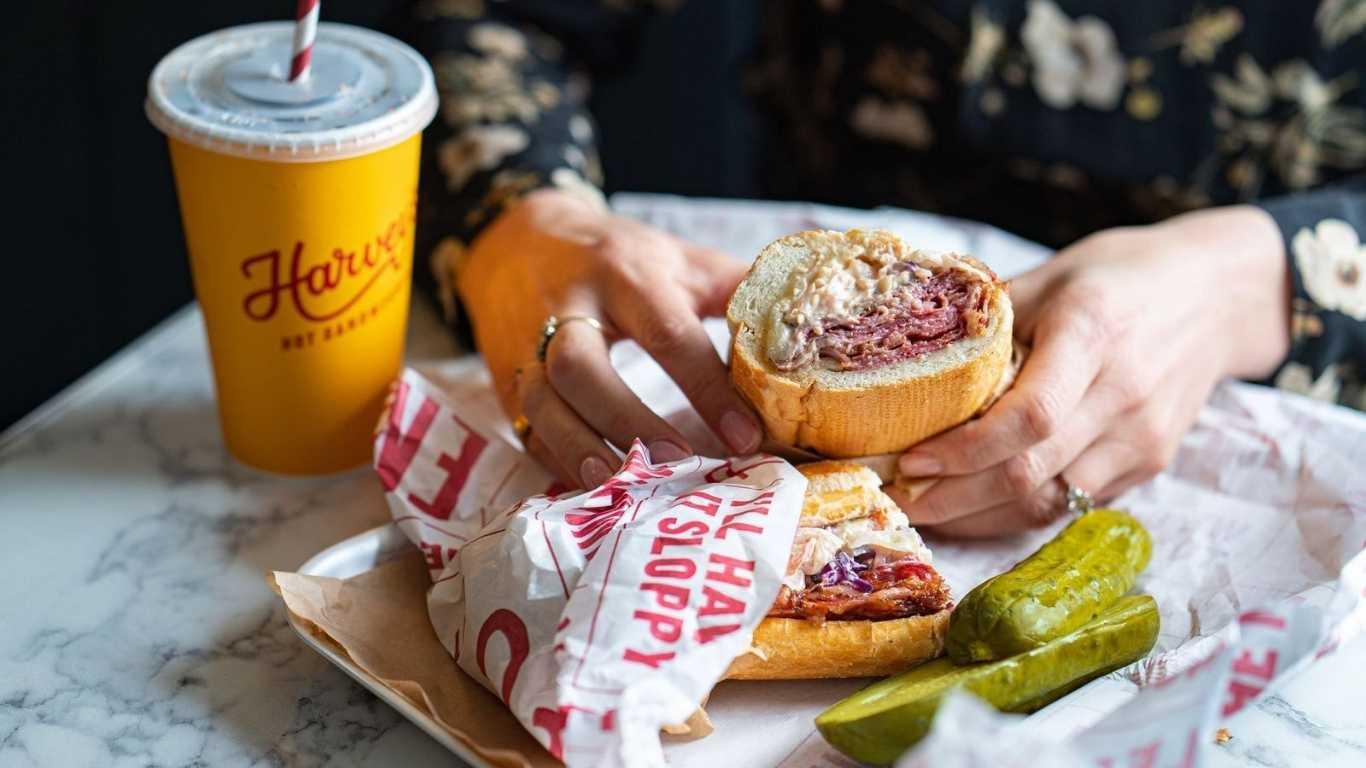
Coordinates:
x,y
861,597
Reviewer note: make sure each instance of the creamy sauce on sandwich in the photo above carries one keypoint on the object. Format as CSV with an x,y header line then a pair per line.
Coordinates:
x,y
865,299
855,556
890,533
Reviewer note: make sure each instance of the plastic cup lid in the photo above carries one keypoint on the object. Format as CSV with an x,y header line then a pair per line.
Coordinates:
x,y
227,91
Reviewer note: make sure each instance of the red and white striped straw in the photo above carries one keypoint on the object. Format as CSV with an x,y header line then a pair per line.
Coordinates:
x,y
305,30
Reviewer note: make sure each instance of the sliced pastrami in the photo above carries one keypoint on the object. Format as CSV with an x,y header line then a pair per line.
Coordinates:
x,y
921,317
892,590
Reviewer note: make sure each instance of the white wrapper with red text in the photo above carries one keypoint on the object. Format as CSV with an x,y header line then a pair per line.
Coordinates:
x,y
597,617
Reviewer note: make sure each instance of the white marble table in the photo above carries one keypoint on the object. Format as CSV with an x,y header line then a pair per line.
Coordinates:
x,y
136,627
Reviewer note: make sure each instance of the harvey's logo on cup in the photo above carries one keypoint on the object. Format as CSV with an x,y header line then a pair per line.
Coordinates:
x,y
330,286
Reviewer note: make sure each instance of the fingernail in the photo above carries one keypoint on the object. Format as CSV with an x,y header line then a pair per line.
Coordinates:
x,y
918,464
663,451
740,432
594,472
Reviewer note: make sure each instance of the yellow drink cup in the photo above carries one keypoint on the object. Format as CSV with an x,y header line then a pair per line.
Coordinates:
x,y
299,203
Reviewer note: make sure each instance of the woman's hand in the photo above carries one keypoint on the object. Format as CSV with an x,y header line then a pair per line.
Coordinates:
x,y
554,254
1131,329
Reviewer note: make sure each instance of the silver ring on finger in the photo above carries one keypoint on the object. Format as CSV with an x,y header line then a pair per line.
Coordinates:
x,y
1078,501
553,325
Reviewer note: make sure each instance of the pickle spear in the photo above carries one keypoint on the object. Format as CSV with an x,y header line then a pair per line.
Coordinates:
x,y
883,720
1060,587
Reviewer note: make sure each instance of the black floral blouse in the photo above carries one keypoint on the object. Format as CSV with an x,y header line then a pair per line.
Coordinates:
x,y
1051,118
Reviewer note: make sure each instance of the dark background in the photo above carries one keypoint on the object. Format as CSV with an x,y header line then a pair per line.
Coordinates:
x,y
95,251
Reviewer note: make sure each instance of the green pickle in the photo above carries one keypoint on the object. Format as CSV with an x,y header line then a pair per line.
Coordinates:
x,y
883,720
1066,583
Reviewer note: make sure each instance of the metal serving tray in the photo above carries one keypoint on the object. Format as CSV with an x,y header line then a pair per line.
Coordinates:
x,y
353,557
743,709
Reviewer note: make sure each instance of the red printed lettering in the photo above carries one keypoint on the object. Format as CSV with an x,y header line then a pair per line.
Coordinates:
x,y
1192,749
663,628
730,525
756,506
673,527
306,287
1239,694
1328,647
739,468
553,721
590,524
1262,618
651,660
707,634
432,554
399,446
718,602
669,596
762,500
700,501
657,546
729,570
509,624
1145,756
636,470
671,568
457,470
1246,665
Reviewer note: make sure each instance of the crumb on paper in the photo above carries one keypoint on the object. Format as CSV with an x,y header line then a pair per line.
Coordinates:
x,y
1222,736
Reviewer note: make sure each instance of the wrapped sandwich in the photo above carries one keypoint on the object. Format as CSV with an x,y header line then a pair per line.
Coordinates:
x,y
861,596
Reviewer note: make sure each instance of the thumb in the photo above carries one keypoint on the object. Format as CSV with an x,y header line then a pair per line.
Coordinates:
x,y
1029,293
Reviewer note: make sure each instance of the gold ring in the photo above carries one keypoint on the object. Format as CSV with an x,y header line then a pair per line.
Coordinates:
x,y
553,325
521,427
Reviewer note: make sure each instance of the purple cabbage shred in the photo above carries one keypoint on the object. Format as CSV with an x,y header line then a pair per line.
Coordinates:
x,y
845,570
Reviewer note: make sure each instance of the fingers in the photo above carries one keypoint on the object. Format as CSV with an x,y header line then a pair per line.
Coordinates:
x,y
1017,478
668,328
1136,449
541,452
1056,375
578,452
1028,295
1105,449
580,370
1103,469
1040,508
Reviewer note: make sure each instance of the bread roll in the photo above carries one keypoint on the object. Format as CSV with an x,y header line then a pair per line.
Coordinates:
x,y
854,344
797,649
840,493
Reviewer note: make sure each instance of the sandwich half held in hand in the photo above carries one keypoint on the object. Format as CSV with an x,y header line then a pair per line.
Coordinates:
x,y
860,598
854,343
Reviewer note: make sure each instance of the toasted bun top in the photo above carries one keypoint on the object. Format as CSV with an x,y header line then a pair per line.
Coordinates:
x,y
841,490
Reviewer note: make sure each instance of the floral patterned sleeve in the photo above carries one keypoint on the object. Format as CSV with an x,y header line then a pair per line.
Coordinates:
x,y
1323,236
512,78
